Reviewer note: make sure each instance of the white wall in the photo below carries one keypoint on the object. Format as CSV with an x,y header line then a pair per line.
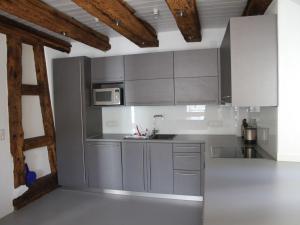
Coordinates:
x,y
168,41
6,164
289,80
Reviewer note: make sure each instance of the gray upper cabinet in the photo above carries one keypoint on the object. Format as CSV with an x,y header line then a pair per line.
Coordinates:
x,y
196,63
253,53
108,69
149,66
196,90
71,81
134,166
150,92
160,166
104,165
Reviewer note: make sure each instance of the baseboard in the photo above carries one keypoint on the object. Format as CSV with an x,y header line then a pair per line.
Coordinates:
x,y
139,194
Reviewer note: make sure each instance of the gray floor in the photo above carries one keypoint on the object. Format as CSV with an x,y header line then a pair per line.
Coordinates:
x,y
63,207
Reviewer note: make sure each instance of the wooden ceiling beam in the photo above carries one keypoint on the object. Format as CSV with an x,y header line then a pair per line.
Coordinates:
x,y
39,13
118,15
256,7
31,36
187,18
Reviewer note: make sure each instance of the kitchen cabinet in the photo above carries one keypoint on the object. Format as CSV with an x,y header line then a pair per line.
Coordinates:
x,y
108,69
188,169
148,167
149,66
249,52
134,164
75,119
104,165
187,182
160,167
196,90
150,92
196,63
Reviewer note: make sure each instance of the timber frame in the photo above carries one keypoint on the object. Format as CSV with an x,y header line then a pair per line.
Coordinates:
x,y
186,15
16,35
256,7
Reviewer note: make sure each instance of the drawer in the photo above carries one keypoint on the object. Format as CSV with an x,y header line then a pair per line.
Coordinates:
x,y
187,161
187,183
187,148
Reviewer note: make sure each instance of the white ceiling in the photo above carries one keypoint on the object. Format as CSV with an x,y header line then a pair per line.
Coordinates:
x,y
213,14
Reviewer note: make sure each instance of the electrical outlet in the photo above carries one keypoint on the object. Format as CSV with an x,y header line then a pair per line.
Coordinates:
x,y
2,134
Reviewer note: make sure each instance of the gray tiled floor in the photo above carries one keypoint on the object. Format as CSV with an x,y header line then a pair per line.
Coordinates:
x,y
63,207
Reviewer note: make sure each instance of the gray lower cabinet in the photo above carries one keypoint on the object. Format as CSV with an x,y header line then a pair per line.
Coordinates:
x,y
107,69
196,90
104,165
187,182
150,92
149,66
134,170
160,163
148,167
196,63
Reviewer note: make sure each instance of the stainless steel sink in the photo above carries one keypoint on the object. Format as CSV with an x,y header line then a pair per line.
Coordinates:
x,y
163,137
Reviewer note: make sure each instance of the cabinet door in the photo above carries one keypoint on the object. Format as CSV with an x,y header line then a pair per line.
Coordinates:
x,y
134,170
254,60
149,66
196,63
196,90
187,182
150,92
160,167
108,69
67,80
104,165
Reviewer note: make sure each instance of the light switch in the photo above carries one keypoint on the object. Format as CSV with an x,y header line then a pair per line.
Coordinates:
x,y
2,134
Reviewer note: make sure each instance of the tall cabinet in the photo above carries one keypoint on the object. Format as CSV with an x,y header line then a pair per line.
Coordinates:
x,y
75,119
249,67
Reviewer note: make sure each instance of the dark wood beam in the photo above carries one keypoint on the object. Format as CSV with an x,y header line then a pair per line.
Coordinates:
x,y
186,15
31,89
37,142
42,186
32,36
14,83
120,16
45,102
256,7
44,15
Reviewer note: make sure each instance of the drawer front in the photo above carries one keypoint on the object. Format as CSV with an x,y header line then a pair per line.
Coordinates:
x,y
187,183
187,161
187,148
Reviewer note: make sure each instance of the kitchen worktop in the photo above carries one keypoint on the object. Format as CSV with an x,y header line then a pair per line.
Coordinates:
x,y
251,192
120,137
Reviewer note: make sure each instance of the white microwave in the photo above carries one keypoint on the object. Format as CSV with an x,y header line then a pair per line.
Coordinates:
x,y
107,96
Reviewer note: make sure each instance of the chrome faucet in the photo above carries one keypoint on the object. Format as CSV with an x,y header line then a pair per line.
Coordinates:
x,y
155,117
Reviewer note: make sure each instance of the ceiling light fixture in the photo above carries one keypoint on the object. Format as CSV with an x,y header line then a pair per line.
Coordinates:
x,y
156,13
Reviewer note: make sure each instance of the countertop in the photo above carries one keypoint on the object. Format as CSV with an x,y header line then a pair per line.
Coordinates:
x,y
251,192
120,138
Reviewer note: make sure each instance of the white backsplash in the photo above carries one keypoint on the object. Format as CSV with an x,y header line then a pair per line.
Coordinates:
x,y
209,119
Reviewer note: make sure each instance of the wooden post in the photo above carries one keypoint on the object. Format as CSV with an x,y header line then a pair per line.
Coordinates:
x,y
42,79
14,81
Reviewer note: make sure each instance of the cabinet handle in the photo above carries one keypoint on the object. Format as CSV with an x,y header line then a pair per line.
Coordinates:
x,y
186,156
187,174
